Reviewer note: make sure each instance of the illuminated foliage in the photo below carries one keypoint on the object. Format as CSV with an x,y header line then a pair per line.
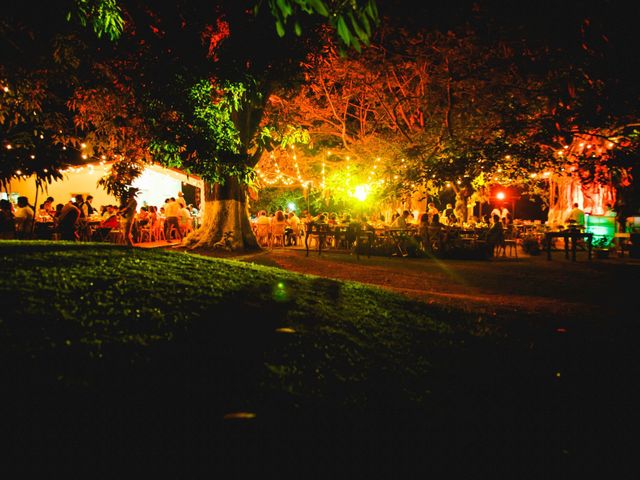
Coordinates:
x,y
104,16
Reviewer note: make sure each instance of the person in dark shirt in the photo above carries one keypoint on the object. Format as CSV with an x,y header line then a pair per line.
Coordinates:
x,y
67,221
7,221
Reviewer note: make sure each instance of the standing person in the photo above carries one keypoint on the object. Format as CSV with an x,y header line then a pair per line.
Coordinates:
x,y
67,221
181,200
7,221
172,218
129,214
24,218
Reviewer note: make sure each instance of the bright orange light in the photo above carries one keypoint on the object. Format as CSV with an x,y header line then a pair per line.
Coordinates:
x,y
500,195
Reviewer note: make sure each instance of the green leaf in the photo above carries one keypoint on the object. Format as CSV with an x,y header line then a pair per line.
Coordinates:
x,y
356,44
297,28
320,7
359,32
285,8
279,28
366,25
343,31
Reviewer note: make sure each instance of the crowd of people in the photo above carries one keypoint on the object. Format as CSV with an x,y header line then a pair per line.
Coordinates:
x,y
79,219
433,229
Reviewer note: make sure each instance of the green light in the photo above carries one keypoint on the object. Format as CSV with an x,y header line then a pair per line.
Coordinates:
x,y
280,293
601,226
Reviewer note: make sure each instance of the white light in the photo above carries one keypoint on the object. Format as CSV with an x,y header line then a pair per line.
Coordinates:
x,y
18,172
361,192
291,206
6,89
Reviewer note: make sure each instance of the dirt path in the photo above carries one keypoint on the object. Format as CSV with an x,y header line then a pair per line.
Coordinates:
x,y
507,286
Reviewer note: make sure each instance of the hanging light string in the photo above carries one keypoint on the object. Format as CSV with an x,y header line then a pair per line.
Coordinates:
x,y
272,173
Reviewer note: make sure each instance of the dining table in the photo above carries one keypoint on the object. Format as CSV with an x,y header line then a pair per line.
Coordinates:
x,y
570,236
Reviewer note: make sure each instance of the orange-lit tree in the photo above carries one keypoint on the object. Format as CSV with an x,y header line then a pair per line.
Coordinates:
x,y
186,84
465,109
209,68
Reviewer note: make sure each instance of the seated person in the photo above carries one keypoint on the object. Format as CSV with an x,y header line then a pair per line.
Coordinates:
x,y
143,217
401,221
109,221
293,229
495,235
7,220
575,217
24,217
436,234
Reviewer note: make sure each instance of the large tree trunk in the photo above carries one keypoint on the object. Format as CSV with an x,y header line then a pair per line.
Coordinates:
x,y
225,210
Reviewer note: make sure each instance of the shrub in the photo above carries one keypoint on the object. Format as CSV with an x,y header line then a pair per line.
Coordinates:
x,y
531,245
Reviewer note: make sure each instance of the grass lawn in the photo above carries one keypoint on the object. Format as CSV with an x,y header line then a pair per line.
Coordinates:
x,y
114,354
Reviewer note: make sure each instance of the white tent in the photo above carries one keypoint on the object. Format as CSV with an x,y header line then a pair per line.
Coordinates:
x,y
156,183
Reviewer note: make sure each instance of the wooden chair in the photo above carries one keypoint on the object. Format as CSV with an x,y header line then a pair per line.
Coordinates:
x,y
145,233
277,234
117,235
158,230
318,233
174,233
187,227
263,231
510,242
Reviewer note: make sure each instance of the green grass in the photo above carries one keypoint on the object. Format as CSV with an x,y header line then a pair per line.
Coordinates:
x,y
98,301
158,347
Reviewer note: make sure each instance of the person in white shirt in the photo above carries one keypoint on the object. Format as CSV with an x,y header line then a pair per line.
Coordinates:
x,y
575,216
401,221
293,230
23,217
